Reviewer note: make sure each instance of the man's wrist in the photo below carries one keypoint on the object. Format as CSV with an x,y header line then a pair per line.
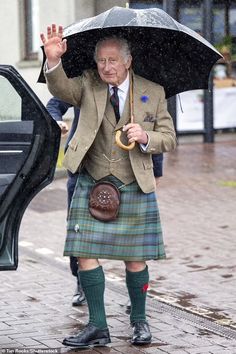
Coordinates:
x,y
145,138
52,63
48,70
145,146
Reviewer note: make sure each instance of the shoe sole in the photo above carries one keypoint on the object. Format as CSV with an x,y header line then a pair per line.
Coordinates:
x,y
93,343
79,304
141,342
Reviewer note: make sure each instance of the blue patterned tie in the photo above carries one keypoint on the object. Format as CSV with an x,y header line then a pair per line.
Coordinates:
x,y
114,99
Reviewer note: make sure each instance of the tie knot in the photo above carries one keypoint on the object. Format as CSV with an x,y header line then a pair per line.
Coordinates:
x,y
115,89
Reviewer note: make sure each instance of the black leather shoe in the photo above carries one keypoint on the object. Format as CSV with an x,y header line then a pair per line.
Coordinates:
x,y
78,297
89,336
141,333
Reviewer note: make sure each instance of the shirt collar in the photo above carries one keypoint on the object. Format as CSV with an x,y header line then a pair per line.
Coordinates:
x,y
124,86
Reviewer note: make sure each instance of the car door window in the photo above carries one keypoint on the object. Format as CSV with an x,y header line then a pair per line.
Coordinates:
x,y
15,138
10,102
10,110
29,145
15,135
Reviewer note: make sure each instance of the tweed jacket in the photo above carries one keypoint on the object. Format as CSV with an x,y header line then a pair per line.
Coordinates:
x,y
90,93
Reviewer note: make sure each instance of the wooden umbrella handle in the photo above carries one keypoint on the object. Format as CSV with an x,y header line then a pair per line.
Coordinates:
x,y
118,133
120,144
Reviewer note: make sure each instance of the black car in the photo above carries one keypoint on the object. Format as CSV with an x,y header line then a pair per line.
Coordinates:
x,y
29,145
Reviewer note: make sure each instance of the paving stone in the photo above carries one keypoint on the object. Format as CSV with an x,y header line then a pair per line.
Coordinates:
x,y
203,350
28,342
4,326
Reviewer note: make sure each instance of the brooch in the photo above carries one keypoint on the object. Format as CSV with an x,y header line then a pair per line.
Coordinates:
x,y
144,98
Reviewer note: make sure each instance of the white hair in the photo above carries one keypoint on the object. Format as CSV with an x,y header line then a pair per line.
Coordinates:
x,y
122,42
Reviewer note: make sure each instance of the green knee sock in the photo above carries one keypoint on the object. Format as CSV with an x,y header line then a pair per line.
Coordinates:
x,y
93,284
137,284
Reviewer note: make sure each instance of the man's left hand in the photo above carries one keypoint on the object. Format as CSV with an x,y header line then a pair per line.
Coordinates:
x,y
135,133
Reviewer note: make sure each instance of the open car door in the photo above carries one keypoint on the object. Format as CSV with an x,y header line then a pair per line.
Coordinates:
x,y
29,145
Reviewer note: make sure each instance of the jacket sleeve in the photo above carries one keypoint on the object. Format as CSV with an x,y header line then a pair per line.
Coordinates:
x,y
163,137
157,160
57,108
59,85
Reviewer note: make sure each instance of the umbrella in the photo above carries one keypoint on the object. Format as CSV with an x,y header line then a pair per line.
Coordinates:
x,y
163,50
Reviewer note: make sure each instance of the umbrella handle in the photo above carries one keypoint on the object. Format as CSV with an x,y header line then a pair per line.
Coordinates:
x,y
118,133
120,144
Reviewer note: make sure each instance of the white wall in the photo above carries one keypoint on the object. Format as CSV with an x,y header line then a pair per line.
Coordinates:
x,y
9,44
56,11
84,9
53,11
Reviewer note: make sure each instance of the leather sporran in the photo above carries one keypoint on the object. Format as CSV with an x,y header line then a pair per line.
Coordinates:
x,y
104,201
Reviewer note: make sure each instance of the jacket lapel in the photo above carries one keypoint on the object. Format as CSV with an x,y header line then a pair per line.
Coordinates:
x,y
140,90
100,95
125,118
109,114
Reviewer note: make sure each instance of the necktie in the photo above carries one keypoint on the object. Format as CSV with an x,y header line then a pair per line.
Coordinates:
x,y
114,99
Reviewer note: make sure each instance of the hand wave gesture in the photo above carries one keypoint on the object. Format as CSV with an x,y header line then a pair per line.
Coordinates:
x,y
54,45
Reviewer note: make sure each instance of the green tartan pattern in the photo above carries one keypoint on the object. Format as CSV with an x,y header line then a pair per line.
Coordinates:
x,y
135,235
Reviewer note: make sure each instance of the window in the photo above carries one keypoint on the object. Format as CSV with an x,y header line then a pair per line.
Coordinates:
x,y
232,20
190,14
30,15
142,4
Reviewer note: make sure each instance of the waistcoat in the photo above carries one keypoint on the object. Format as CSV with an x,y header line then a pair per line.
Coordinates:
x,y
105,157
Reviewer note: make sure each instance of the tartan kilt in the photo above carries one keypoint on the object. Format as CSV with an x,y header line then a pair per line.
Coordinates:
x,y
135,235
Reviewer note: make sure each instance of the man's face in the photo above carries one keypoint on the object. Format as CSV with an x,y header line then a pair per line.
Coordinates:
x,y
111,65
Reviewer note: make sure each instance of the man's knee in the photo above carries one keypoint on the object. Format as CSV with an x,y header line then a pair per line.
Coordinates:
x,y
135,266
87,263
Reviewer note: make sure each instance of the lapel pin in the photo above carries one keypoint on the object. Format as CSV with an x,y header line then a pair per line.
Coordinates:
x,y
144,98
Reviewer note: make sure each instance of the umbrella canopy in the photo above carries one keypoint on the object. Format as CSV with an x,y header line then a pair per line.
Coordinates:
x,y
163,50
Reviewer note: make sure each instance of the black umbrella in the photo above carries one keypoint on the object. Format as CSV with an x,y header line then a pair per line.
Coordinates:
x,y
163,50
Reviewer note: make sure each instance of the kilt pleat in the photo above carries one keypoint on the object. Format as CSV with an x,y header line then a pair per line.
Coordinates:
x,y
136,234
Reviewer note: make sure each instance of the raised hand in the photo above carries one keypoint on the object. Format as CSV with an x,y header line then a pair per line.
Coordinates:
x,y
54,45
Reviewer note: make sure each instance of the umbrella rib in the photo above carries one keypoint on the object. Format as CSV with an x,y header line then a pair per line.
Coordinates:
x,y
107,14
175,22
112,10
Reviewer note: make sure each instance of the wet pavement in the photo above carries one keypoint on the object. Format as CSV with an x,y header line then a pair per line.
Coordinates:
x,y
191,305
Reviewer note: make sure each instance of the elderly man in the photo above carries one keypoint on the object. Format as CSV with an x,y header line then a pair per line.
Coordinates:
x,y
133,233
